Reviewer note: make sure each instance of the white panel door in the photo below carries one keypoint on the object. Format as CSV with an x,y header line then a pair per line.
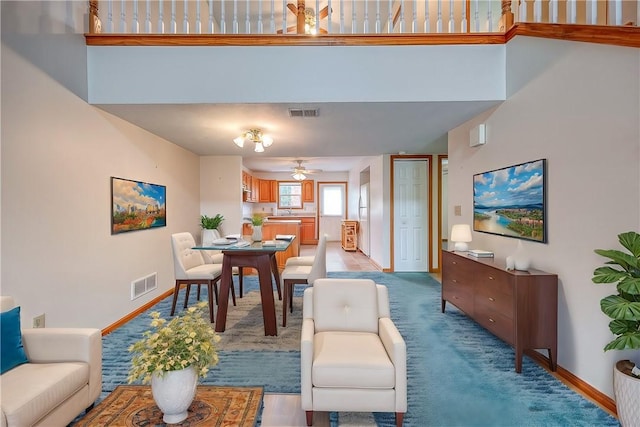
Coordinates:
x,y
410,215
332,199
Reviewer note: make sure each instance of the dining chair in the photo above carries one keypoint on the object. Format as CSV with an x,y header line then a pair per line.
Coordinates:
x,y
303,275
215,257
190,269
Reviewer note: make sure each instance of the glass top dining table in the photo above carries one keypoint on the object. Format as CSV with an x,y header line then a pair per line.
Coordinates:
x,y
258,255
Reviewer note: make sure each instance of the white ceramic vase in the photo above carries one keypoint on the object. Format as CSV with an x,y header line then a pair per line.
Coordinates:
x,y
208,236
257,233
627,392
521,260
173,393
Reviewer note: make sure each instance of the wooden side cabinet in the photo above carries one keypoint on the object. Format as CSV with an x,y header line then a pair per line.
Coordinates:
x,y
349,235
519,307
307,191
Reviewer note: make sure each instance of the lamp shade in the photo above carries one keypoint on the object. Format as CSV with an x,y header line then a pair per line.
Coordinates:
x,y
461,235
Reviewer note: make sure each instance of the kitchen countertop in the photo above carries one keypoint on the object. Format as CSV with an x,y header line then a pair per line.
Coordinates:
x,y
289,220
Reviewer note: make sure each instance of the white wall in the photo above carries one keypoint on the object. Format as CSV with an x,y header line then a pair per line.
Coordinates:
x,y
221,191
58,154
577,105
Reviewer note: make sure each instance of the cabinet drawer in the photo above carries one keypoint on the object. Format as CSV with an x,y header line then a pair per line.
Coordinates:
x,y
493,281
493,300
458,295
497,323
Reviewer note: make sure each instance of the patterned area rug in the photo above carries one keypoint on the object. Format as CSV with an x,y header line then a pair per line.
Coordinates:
x,y
133,406
245,326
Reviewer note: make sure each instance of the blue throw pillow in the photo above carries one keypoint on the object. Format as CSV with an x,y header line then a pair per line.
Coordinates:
x,y
11,350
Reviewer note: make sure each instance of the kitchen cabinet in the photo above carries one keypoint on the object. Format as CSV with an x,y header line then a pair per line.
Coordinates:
x,y
268,191
308,231
250,187
519,307
307,191
271,228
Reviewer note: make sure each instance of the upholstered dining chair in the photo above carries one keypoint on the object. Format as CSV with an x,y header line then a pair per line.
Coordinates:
x,y
352,356
303,275
215,257
190,269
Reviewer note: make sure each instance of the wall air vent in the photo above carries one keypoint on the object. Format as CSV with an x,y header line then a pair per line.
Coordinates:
x,y
144,285
299,112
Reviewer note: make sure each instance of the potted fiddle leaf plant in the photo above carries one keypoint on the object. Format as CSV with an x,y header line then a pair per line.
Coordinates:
x,y
210,226
623,269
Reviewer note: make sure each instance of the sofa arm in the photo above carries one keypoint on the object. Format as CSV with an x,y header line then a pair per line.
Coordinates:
x,y
306,360
397,351
51,345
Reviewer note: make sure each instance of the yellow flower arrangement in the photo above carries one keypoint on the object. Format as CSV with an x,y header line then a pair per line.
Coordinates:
x,y
186,340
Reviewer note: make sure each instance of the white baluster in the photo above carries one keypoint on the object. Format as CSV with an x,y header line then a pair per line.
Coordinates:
x,y
354,21
198,28
173,25
223,19
135,25
317,17
522,11
260,29
284,18
617,13
185,21
414,18
211,25
537,10
463,23
147,20
378,21
390,18
401,16
329,17
273,17
247,20
489,18
235,25
341,16
439,21
123,18
427,18
161,17
553,11
452,24
476,16
592,12
365,27
110,16
571,11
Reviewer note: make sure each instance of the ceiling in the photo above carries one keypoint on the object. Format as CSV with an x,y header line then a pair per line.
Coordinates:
x,y
335,140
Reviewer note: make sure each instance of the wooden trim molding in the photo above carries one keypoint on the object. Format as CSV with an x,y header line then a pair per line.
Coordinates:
x,y
135,313
596,396
618,36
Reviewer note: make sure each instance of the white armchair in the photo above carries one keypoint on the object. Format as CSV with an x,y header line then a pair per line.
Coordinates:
x,y
353,357
61,378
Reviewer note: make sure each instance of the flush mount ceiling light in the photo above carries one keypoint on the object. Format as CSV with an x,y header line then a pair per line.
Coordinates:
x,y
254,135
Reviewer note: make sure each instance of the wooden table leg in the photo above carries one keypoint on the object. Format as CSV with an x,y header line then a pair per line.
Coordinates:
x,y
223,301
266,294
276,274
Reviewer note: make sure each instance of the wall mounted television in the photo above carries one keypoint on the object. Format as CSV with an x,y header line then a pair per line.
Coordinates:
x,y
511,201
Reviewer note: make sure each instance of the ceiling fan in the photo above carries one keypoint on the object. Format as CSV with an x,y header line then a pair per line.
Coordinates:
x,y
306,19
300,172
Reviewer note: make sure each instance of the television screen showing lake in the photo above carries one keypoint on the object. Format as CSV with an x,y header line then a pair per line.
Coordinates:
x,y
511,201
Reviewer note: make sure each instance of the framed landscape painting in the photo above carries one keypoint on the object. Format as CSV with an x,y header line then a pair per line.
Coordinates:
x,y
137,205
511,201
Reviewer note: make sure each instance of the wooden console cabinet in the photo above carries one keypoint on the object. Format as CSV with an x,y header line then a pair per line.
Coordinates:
x,y
519,307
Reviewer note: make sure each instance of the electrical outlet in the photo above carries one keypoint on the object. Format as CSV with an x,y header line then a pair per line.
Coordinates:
x,y
38,321
457,210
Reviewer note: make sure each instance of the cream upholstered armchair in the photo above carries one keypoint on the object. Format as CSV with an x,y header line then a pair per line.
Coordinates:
x,y
353,357
49,375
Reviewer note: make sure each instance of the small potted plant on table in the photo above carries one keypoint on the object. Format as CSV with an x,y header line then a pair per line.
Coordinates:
x,y
256,222
624,309
210,228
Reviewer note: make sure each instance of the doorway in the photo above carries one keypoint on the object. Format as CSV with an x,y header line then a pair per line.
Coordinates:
x,y
411,213
332,209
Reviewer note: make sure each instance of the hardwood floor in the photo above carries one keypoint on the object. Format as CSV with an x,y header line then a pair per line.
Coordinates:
x,y
283,410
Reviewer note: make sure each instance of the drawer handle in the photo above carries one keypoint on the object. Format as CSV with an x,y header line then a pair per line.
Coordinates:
x,y
491,320
491,278
492,299
454,262
454,281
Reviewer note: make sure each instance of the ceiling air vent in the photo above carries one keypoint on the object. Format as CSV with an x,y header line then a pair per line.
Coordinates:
x,y
299,112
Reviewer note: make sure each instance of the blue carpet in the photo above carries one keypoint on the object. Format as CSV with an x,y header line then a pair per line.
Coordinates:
x,y
458,373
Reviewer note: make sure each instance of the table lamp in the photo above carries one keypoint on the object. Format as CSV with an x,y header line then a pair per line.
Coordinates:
x,y
461,235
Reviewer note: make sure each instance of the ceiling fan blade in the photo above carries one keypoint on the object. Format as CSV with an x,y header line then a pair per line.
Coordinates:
x,y
324,12
293,8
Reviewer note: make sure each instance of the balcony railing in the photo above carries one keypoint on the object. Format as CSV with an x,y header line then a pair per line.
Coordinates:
x,y
343,17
